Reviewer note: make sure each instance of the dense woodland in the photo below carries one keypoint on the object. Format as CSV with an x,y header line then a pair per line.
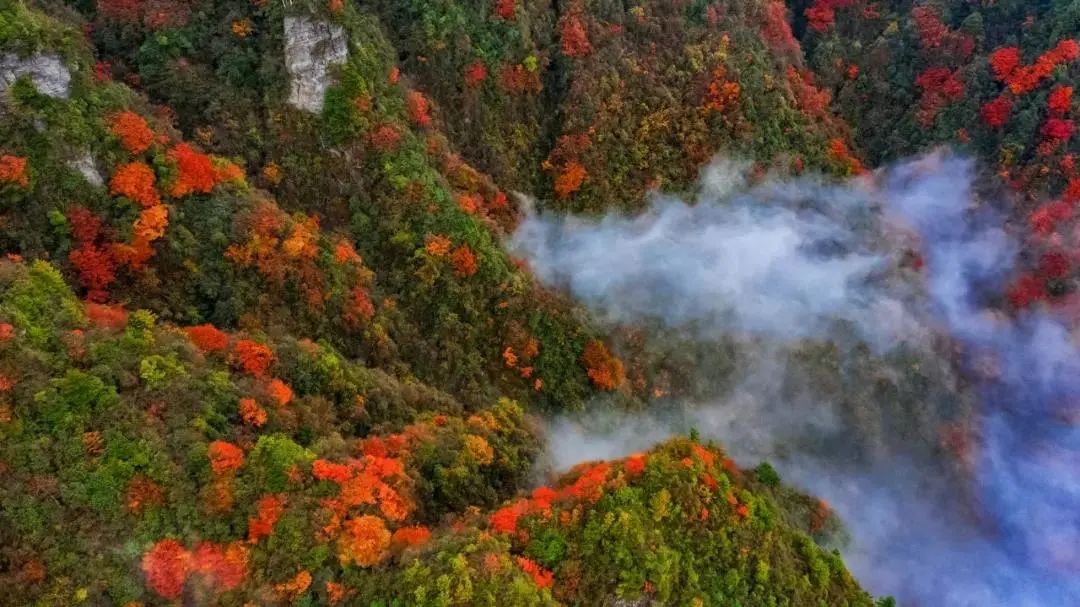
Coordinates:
x,y
255,353
994,80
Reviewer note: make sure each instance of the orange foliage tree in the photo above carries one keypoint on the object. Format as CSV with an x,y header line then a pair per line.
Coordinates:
x,y
358,308
419,109
722,94
635,464
111,317
208,338
96,268
167,566
995,113
475,73
839,153
505,519
251,356
364,542
1004,61
13,170
540,576
385,138
345,253
135,181
470,203
194,171
149,227
516,79
1060,101
224,457
132,131
143,493
437,245
296,587
574,38
267,512
605,371
411,536
336,592
283,248
589,485
1006,65
821,14
464,261
504,9
251,412
776,30
279,392
570,179
224,567
324,470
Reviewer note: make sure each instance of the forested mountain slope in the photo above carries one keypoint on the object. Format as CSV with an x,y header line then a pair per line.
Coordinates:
x,y
264,337
145,463
992,79
260,341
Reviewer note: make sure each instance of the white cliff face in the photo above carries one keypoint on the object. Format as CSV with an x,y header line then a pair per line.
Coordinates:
x,y
312,46
46,70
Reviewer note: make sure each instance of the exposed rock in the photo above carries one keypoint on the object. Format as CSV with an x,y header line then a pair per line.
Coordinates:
x,y
85,165
311,46
46,70
642,602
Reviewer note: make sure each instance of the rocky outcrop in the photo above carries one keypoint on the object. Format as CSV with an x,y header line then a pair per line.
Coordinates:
x,y
642,602
47,71
311,47
86,167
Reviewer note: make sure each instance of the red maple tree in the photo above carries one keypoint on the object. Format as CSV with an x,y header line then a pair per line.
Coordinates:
x,y
574,39
208,338
167,566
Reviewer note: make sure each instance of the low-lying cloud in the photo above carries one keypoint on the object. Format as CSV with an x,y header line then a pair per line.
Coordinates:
x,y
776,264
787,268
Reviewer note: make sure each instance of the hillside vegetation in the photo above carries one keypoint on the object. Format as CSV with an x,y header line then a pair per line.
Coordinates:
x,y
261,342
995,80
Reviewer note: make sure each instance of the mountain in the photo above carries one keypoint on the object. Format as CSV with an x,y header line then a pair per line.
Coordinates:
x,y
281,322
261,340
